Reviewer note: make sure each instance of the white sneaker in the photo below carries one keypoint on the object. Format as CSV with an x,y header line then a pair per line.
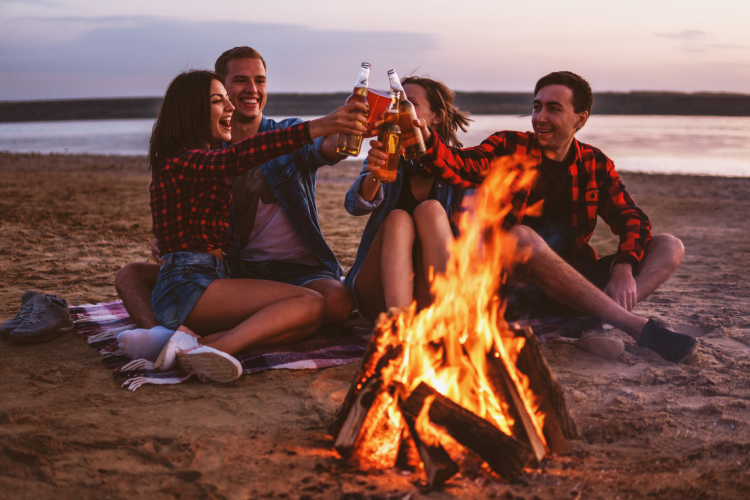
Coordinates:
x,y
209,362
179,342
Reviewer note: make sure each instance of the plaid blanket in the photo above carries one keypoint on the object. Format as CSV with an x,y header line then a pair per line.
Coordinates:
x,y
330,346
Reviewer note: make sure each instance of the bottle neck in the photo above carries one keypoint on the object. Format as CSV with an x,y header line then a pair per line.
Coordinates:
x,y
363,80
396,84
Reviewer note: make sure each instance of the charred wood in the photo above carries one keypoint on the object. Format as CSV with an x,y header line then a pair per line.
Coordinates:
x,y
558,423
504,454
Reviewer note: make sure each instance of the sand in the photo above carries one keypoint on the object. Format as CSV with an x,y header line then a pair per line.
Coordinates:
x,y
67,430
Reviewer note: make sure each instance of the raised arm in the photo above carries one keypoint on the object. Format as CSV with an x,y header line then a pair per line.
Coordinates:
x,y
240,157
459,167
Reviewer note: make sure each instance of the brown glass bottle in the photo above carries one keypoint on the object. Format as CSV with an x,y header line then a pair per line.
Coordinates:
x,y
351,144
390,138
411,137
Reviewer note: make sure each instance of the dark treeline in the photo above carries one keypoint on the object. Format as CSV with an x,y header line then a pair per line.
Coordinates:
x,y
478,103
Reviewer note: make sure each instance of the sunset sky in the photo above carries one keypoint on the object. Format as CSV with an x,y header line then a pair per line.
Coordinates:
x,y
85,48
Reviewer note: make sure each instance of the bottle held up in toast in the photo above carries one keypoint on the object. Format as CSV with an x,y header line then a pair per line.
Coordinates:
x,y
411,137
351,144
390,138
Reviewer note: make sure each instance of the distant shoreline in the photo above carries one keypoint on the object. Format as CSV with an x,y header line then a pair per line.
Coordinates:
x,y
478,103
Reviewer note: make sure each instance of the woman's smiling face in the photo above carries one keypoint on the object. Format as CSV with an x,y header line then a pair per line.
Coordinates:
x,y
221,113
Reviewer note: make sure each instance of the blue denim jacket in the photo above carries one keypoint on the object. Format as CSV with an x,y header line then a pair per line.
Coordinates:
x,y
449,197
292,179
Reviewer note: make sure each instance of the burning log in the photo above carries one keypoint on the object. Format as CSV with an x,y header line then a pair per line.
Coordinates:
x,y
523,427
558,423
371,365
504,454
438,465
352,414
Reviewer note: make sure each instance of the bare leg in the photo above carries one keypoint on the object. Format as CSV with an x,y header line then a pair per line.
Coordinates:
x,y
434,235
386,278
560,281
134,284
254,312
338,299
663,254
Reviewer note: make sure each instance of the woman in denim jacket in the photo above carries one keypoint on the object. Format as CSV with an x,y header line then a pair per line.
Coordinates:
x,y
412,219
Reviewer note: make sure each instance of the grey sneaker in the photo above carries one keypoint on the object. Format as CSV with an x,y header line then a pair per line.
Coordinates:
x,y
49,318
26,306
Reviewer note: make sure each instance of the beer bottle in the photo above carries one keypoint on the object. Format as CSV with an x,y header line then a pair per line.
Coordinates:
x,y
351,144
411,137
390,138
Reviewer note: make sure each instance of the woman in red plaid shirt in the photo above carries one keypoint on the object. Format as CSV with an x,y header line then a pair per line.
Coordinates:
x,y
191,196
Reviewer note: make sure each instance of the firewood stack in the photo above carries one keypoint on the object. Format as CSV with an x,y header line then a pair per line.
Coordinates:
x,y
382,423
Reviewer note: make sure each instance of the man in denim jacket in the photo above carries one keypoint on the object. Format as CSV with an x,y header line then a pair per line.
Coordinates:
x,y
274,207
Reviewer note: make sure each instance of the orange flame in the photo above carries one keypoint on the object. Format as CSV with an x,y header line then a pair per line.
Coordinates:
x,y
446,345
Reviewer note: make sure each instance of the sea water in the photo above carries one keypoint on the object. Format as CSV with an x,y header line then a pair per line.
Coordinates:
x,y
659,144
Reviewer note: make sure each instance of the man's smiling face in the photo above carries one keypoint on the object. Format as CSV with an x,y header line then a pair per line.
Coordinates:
x,y
554,118
246,87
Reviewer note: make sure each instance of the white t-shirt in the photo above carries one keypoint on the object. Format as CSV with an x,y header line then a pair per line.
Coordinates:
x,y
274,238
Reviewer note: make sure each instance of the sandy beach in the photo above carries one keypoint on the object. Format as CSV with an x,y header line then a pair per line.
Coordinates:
x,y
649,428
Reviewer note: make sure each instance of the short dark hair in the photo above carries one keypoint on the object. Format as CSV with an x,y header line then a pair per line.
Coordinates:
x,y
184,120
236,53
583,97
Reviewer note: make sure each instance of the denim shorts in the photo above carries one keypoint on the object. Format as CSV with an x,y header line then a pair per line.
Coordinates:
x,y
182,280
290,273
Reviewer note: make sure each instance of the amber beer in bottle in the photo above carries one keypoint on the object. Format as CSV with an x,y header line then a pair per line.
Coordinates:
x,y
411,137
390,138
351,144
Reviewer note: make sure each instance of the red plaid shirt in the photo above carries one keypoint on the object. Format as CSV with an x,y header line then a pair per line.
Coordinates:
x,y
191,194
594,189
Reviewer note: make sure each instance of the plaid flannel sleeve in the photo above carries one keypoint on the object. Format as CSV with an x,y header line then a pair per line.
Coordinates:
x,y
199,165
463,167
625,219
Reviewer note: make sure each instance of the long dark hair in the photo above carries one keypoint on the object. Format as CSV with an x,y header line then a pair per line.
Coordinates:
x,y
441,98
184,121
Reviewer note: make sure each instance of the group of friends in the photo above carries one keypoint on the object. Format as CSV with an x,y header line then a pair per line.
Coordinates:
x,y
241,260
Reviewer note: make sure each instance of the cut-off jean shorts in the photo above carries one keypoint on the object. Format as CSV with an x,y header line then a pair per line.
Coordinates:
x,y
182,280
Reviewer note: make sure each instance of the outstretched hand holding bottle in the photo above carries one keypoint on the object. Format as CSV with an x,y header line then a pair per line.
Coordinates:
x,y
348,119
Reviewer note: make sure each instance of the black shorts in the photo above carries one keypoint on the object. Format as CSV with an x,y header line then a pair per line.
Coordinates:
x,y
528,301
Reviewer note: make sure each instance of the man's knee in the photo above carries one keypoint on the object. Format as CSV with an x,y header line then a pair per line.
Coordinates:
x,y
337,297
428,211
667,247
136,275
527,239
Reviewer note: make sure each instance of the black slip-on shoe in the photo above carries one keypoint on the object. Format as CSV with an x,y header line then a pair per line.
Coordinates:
x,y
26,308
672,346
48,319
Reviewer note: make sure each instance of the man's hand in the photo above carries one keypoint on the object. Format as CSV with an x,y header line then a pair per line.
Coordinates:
x,y
348,119
328,148
155,252
621,287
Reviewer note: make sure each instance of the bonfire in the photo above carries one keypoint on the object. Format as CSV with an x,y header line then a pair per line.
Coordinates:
x,y
453,382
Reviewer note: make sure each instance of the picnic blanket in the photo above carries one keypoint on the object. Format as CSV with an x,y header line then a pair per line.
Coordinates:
x,y
330,346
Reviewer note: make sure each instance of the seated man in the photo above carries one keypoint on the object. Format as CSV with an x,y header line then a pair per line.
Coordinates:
x,y
274,207
576,183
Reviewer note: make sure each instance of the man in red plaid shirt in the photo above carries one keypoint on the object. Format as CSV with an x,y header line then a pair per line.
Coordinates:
x,y
574,184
